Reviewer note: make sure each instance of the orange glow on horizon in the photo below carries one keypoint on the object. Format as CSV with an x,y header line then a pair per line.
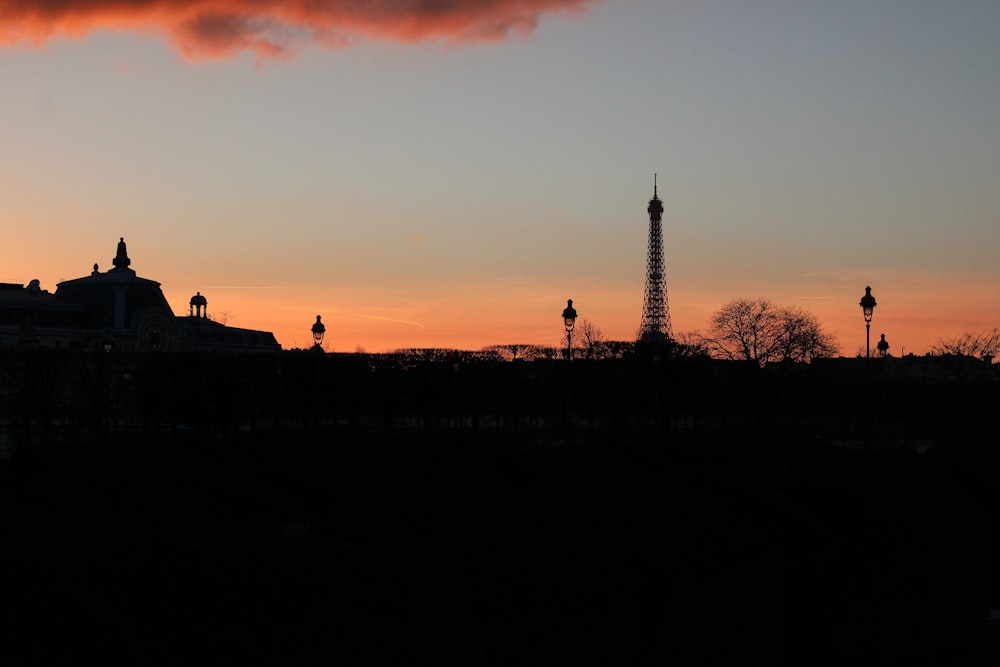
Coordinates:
x,y
914,310
461,318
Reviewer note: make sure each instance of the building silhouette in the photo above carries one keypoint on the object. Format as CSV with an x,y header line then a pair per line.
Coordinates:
x,y
115,308
655,326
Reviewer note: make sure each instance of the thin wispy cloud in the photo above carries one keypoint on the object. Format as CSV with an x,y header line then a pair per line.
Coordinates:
x,y
207,29
245,287
392,319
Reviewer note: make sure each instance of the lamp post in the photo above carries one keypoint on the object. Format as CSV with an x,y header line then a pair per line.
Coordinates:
x,y
318,331
868,307
883,347
569,319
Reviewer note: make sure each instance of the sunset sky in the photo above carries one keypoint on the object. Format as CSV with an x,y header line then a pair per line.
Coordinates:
x,y
446,174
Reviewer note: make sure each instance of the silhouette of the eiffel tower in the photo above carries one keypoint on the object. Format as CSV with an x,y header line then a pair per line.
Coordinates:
x,y
655,326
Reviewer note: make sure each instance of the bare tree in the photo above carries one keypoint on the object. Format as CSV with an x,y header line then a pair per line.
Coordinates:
x,y
541,352
520,352
618,349
222,317
690,343
759,330
802,337
590,340
983,345
532,352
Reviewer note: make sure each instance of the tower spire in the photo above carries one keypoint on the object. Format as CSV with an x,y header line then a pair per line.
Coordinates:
x,y
655,325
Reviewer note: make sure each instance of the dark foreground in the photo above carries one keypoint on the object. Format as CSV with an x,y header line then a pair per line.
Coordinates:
x,y
325,547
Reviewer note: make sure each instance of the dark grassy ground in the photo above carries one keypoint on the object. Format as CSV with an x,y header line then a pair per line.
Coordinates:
x,y
321,547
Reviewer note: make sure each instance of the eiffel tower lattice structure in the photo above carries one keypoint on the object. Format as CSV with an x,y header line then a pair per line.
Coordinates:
x,y
655,326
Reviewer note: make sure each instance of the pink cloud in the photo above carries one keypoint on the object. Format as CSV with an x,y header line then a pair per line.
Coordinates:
x,y
206,29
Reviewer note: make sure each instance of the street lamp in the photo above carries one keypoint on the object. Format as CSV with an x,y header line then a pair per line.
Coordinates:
x,y
883,347
318,330
569,319
868,307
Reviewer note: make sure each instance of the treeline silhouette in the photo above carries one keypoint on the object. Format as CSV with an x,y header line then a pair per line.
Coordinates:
x,y
657,390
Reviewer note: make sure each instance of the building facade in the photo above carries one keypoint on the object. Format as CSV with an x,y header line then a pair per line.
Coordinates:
x,y
115,308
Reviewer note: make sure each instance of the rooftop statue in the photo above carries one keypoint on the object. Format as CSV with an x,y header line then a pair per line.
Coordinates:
x,y
121,260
